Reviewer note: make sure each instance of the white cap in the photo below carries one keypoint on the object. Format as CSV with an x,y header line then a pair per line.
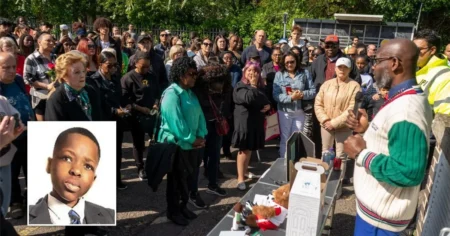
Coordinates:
x,y
344,61
63,27
167,31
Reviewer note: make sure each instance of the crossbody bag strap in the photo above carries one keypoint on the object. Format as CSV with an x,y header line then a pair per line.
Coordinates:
x,y
158,119
214,107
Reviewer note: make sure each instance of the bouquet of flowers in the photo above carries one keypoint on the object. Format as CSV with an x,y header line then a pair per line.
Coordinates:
x,y
51,73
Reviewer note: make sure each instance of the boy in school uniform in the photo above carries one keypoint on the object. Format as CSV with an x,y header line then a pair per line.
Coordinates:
x,y
76,155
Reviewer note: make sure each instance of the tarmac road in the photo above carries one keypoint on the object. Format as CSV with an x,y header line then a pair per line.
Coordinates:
x,y
142,211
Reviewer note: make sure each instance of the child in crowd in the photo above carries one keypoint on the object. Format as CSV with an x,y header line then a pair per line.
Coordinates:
x,y
76,155
373,102
361,62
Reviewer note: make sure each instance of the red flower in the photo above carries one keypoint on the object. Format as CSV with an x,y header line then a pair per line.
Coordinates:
x,y
51,66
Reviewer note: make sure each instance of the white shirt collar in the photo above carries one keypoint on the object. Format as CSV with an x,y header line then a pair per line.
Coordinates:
x,y
59,212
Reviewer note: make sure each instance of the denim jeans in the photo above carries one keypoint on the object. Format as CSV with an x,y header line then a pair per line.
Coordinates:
x,y
289,122
211,158
5,186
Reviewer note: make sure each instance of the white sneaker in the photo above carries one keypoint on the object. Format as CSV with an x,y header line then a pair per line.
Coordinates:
x,y
241,186
250,175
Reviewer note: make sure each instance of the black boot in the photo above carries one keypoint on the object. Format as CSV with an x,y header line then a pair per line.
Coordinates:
x,y
188,214
178,219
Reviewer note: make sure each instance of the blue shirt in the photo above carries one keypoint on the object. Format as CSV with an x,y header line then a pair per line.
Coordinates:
x,y
302,81
399,88
17,98
236,74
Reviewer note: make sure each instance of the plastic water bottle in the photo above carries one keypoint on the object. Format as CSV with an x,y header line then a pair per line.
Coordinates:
x,y
328,157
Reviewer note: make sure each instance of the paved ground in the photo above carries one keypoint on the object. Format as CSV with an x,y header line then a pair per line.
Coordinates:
x,y
142,211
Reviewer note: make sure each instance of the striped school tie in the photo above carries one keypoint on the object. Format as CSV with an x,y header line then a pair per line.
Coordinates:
x,y
74,218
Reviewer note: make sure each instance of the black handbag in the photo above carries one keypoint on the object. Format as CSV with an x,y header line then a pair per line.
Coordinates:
x,y
160,156
307,105
147,122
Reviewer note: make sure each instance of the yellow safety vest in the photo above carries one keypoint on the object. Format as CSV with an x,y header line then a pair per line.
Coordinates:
x,y
434,79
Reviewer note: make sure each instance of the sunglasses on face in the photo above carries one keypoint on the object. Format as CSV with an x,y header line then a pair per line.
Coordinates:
x,y
91,46
164,35
315,55
110,66
207,44
290,62
276,55
330,46
130,42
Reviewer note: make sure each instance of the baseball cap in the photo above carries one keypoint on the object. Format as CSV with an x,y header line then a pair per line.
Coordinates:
x,y
344,61
81,32
63,27
332,39
142,37
253,54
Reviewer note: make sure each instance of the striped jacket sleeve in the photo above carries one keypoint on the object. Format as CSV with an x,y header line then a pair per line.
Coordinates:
x,y
405,165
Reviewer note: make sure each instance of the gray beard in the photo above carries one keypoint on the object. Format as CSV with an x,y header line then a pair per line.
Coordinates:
x,y
385,81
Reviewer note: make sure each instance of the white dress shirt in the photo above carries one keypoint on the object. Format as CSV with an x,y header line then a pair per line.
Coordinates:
x,y
59,212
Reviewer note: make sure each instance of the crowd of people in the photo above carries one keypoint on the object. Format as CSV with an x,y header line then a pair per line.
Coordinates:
x,y
210,94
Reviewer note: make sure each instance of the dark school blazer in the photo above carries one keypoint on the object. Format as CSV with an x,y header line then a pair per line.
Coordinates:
x,y
93,213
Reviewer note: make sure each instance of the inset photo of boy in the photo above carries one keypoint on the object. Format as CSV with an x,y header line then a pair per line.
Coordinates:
x,y
71,179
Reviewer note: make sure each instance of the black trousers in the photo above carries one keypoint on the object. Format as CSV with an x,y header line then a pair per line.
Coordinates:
x,y
120,128
177,191
226,140
316,135
138,135
19,162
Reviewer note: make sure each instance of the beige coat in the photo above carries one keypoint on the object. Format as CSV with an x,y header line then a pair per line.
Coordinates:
x,y
334,100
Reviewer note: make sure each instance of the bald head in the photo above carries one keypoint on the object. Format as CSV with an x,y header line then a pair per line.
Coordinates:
x,y
7,67
260,37
396,62
403,49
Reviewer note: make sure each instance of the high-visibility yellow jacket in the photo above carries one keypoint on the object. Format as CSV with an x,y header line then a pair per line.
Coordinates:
x,y
434,79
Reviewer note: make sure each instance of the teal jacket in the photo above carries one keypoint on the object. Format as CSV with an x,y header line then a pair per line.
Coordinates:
x,y
182,119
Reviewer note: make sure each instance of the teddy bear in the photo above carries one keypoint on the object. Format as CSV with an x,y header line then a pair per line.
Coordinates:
x,y
268,216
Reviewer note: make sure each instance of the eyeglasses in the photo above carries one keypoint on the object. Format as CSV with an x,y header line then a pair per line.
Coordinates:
x,y
193,74
289,62
381,59
91,46
130,42
227,58
276,55
330,46
207,44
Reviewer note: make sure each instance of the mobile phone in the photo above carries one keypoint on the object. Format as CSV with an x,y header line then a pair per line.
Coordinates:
x,y
16,118
288,89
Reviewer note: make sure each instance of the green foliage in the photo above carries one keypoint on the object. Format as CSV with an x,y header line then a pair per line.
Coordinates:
x,y
238,16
